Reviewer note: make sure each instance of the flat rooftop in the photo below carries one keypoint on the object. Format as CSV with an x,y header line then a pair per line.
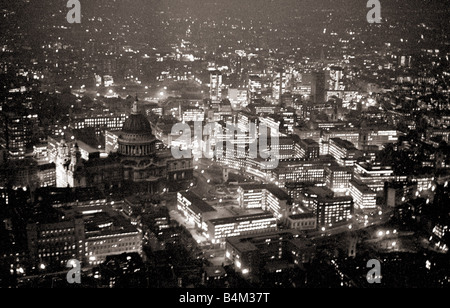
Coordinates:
x,y
276,191
302,216
246,243
229,220
309,142
230,211
319,191
343,143
198,205
361,187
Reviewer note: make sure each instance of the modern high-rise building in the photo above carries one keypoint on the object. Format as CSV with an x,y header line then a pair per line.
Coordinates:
x,y
265,196
254,88
318,87
336,75
309,149
15,132
300,171
218,223
343,151
215,86
364,198
373,175
333,211
338,178
279,83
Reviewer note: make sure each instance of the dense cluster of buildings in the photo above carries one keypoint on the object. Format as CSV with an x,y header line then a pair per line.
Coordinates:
x,y
321,136
78,223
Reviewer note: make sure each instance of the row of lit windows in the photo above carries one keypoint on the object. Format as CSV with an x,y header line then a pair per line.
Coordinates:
x,y
241,226
57,232
58,248
239,231
56,254
56,239
304,223
106,247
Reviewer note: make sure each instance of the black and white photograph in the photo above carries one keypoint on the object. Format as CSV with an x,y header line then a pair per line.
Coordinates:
x,y
226,150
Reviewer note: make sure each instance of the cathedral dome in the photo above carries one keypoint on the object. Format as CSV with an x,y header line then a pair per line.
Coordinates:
x,y
136,138
137,124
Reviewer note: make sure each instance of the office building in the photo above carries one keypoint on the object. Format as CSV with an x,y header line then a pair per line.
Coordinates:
x,y
221,228
350,135
333,211
77,224
265,196
343,151
99,121
373,175
193,208
288,171
378,137
338,178
254,88
274,251
111,141
318,87
219,223
309,149
56,241
364,198
215,86
16,128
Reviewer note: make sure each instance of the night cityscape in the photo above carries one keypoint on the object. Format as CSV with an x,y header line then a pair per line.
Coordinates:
x,y
239,144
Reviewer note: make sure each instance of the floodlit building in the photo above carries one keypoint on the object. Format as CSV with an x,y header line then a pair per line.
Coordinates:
x,y
264,196
221,228
333,211
373,176
219,223
338,178
343,151
141,161
364,198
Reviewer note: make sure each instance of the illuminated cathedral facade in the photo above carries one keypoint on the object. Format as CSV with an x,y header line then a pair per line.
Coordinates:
x,y
141,162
